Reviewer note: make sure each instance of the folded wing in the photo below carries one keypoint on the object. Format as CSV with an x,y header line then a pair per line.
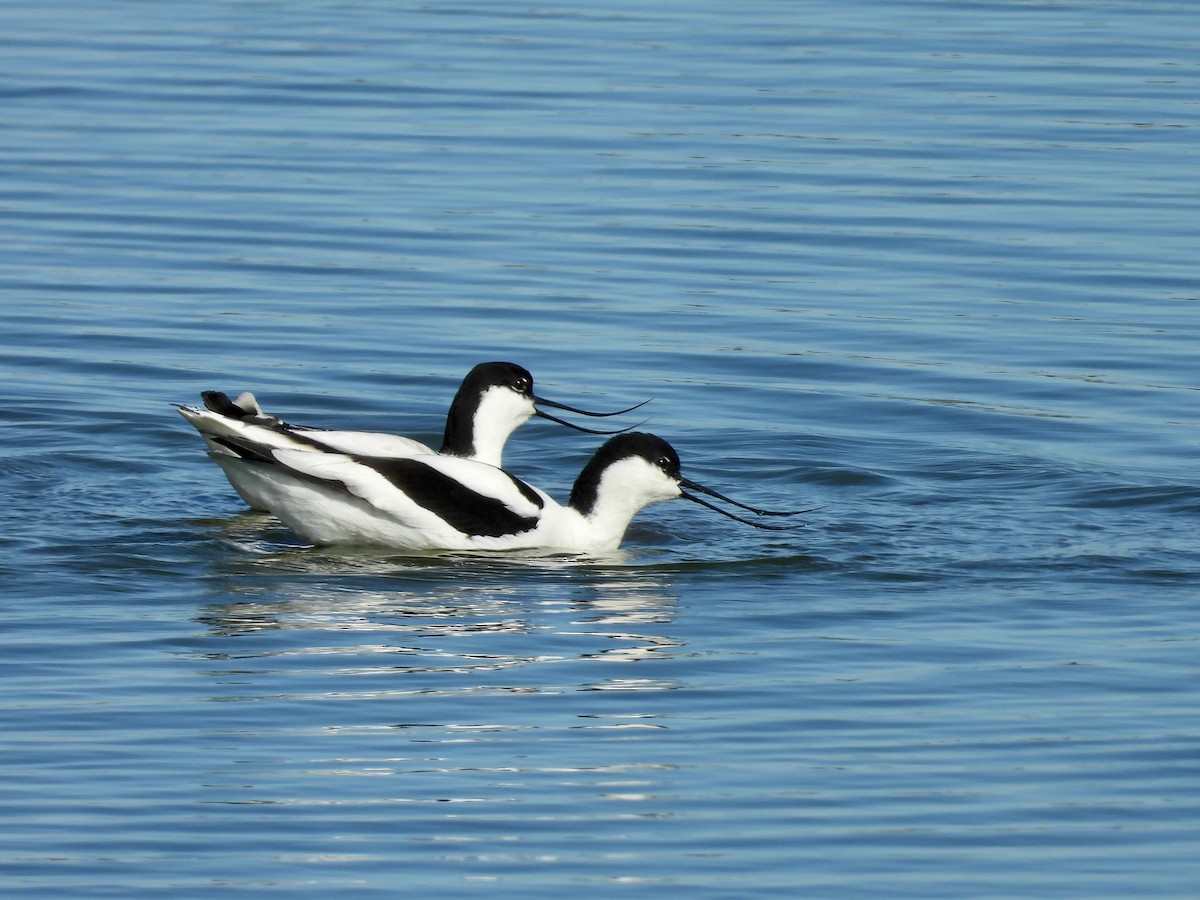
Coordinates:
x,y
475,499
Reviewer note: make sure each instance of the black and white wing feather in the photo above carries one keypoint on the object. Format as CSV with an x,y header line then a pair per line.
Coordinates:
x,y
426,492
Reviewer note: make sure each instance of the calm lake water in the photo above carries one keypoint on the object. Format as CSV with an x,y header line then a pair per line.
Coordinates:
x,y
928,266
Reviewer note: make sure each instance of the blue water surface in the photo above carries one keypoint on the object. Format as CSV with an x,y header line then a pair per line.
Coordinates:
x,y
929,267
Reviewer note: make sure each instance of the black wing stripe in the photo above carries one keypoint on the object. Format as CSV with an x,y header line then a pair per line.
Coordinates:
x,y
456,504
219,402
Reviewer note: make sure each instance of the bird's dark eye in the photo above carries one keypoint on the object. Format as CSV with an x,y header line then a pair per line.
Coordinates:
x,y
521,384
663,463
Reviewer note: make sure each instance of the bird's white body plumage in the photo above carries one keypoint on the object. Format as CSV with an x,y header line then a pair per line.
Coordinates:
x,y
492,402
338,499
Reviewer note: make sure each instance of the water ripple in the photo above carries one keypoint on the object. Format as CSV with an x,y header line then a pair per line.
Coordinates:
x,y
928,268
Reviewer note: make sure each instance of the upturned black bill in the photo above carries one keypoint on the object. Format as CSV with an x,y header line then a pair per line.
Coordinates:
x,y
585,412
542,414
688,483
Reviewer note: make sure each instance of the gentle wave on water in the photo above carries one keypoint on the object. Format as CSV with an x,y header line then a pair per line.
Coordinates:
x,y
927,269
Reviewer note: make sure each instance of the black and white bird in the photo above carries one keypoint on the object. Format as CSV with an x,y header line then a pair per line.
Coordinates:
x,y
439,502
494,399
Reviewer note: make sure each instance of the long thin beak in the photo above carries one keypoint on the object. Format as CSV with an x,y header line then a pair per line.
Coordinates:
x,y
688,483
542,414
730,515
583,412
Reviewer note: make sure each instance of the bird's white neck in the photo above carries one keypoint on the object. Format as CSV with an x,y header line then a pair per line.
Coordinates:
x,y
624,488
500,413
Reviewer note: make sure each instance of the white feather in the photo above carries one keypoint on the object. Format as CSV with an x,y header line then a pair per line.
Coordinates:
x,y
366,443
